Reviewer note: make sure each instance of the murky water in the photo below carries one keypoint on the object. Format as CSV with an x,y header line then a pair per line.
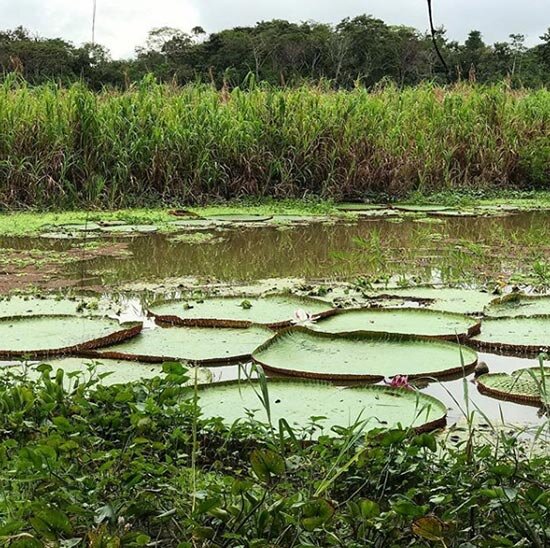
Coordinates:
x,y
452,248
457,247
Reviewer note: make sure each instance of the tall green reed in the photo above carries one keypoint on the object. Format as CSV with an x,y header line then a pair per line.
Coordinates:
x,y
153,144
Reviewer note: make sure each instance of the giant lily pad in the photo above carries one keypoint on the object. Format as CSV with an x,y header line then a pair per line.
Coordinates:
x,y
299,219
195,224
74,235
515,336
238,218
199,345
420,208
47,306
359,207
130,229
402,321
516,304
531,386
297,402
120,372
368,357
273,311
82,227
461,301
43,336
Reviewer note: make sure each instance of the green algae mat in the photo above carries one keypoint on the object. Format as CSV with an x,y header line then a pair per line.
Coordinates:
x,y
303,353
298,401
515,336
409,321
515,305
273,311
42,336
530,386
199,345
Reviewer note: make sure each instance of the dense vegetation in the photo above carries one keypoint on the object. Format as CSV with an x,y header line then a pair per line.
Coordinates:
x,y
362,49
135,465
69,148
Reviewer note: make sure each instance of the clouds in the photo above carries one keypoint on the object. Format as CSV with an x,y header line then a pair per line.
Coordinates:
x,y
120,24
495,18
123,24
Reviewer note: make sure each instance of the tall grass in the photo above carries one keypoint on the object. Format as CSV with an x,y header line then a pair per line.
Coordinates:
x,y
66,148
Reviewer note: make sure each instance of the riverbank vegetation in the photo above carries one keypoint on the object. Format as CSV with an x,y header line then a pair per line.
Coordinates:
x,y
361,50
137,465
157,144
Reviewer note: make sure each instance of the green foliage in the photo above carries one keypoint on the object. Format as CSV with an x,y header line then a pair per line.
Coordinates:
x,y
70,148
88,465
361,50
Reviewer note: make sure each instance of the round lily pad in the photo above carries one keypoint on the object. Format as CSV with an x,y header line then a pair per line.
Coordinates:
x,y
199,345
421,208
298,401
357,206
82,227
461,301
120,371
402,321
73,235
367,357
377,213
531,386
236,218
112,222
194,223
515,305
273,310
515,336
47,306
453,213
298,219
130,229
43,336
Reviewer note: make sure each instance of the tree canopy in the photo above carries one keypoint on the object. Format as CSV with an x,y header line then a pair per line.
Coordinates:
x,y
362,50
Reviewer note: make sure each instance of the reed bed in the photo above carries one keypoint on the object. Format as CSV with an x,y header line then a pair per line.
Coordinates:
x,y
154,144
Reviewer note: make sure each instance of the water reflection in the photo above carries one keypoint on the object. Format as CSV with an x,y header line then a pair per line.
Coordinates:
x,y
458,248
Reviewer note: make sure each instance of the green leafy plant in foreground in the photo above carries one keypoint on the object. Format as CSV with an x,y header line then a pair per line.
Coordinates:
x,y
82,464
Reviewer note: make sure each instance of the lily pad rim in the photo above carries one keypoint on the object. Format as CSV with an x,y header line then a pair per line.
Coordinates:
x,y
473,330
509,349
515,397
463,370
157,359
127,331
174,320
525,297
427,427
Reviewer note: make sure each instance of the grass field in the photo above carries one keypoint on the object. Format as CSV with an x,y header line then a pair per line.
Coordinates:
x,y
154,145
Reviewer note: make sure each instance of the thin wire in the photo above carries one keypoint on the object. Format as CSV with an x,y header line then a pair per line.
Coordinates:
x,y
434,40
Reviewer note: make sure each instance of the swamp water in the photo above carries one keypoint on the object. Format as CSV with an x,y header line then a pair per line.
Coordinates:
x,y
325,253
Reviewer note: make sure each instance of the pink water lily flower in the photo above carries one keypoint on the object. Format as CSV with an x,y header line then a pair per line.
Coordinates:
x,y
301,317
399,381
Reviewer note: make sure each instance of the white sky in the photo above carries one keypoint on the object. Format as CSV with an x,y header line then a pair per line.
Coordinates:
x,y
123,24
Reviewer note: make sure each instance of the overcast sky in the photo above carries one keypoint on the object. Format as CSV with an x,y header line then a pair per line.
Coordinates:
x,y
123,24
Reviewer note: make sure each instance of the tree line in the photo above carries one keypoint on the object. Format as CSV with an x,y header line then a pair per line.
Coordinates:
x,y
362,50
